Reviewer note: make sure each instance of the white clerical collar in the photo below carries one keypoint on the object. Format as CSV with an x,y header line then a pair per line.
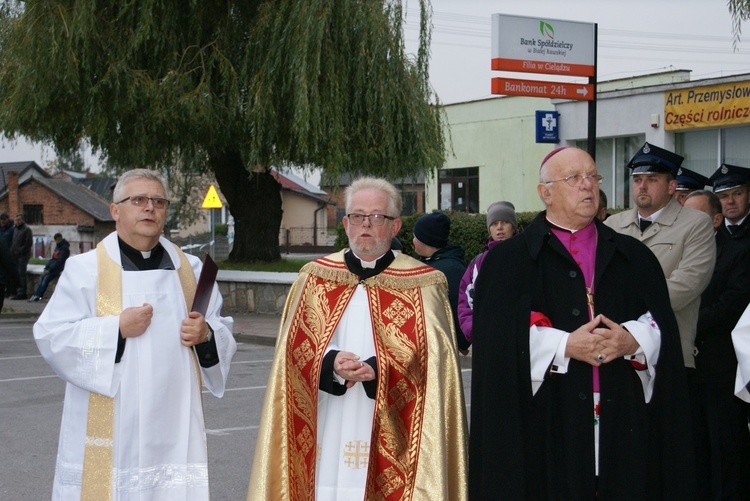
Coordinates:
x,y
369,264
653,216
146,254
564,228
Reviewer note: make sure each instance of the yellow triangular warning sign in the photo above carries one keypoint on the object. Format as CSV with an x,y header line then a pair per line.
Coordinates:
x,y
212,200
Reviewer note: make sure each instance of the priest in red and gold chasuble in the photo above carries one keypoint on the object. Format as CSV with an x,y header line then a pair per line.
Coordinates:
x,y
417,444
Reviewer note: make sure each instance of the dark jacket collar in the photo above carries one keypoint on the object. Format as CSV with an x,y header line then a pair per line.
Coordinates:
x,y
450,251
538,234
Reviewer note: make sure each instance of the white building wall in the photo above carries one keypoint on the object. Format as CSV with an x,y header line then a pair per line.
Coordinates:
x,y
498,136
304,220
617,115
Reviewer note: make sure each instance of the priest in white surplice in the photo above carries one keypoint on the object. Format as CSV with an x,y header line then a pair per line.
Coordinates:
x,y
118,331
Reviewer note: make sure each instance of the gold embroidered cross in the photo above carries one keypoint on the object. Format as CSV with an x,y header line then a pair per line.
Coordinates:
x,y
356,454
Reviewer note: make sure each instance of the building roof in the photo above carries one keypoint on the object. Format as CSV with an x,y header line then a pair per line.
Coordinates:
x,y
79,196
23,169
102,186
292,182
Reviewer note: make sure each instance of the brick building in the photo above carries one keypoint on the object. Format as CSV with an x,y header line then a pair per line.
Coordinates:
x,y
52,206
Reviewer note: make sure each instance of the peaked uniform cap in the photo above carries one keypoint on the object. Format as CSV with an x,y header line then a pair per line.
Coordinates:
x,y
651,159
688,180
728,176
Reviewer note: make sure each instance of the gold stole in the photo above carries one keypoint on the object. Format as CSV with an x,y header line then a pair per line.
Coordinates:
x,y
400,342
97,458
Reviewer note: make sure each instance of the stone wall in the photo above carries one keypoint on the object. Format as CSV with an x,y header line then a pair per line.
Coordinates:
x,y
243,292
253,297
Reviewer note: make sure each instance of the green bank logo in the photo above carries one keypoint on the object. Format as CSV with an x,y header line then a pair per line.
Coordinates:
x,y
547,30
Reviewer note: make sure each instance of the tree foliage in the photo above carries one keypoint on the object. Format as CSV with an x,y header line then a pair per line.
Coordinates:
x,y
740,11
68,160
233,87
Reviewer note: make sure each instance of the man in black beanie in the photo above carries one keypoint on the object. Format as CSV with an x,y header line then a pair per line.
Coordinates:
x,y
430,241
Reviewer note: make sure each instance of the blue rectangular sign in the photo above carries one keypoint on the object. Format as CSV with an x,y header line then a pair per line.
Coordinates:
x,y
547,127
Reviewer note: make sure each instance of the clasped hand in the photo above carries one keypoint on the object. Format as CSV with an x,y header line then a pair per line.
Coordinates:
x,y
600,345
348,366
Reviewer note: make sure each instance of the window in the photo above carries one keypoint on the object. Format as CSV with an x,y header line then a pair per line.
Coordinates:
x,y
412,195
706,150
458,189
410,203
735,146
32,214
612,157
700,149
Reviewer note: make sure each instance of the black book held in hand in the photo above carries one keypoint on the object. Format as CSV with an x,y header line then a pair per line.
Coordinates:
x,y
205,285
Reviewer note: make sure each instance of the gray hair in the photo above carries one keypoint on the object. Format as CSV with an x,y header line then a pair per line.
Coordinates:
x,y
543,173
375,183
713,200
130,175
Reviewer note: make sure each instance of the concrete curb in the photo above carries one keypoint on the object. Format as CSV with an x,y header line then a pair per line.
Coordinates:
x,y
20,315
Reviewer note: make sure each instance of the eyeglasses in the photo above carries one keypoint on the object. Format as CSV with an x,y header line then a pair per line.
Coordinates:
x,y
576,179
141,201
375,219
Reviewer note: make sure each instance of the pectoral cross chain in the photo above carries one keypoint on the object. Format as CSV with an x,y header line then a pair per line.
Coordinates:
x,y
590,302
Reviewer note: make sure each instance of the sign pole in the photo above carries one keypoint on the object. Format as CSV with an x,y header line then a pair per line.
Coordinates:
x,y
210,202
213,229
591,142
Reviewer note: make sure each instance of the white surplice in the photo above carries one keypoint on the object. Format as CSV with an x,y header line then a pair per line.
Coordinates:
x,y
345,422
159,434
741,341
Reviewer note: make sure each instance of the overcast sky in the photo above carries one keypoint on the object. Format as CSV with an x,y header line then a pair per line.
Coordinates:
x,y
636,37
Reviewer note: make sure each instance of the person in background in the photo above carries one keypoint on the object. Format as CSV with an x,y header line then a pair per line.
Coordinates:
x,y
732,185
602,213
120,332
501,225
681,239
6,229
431,233
579,334
10,285
722,438
54,266
23,241
688,182
8,271
364,398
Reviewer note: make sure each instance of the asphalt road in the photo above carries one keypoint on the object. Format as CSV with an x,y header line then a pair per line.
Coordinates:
x,y
31,399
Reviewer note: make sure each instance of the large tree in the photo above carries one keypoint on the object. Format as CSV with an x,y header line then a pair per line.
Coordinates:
x,y
234,87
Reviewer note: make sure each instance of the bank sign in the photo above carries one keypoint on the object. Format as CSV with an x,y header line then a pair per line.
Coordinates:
x,y
541,45
710,106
